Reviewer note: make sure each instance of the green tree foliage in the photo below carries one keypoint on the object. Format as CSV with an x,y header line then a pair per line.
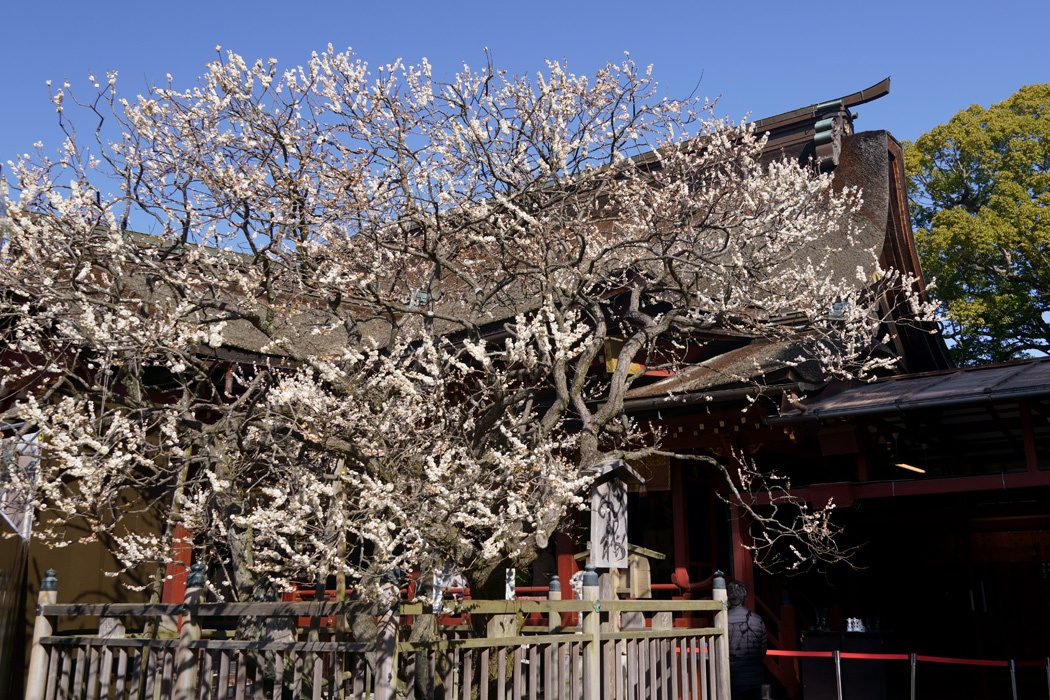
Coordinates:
x,y
980,191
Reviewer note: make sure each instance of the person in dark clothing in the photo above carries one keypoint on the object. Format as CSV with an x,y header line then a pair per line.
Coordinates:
x,y
747,645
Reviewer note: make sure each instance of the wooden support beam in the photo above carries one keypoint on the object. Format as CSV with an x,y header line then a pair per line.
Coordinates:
x,y
918,487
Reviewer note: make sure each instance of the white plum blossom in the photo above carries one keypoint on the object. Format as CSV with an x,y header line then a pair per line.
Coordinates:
x,y
378,321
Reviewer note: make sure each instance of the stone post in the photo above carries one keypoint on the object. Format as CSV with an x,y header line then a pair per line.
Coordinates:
x,y
554,593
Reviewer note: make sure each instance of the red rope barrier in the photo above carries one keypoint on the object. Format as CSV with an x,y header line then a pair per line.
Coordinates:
x,y
902,657
963,662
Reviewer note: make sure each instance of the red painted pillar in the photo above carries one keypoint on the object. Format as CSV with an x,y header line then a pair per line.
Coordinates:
x,y
680,577
566,568
743,566
182,554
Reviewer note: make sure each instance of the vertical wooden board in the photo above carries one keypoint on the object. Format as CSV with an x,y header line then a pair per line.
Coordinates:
x,y
712,668
431,672
652,680
501,674
621,670
688,686
548,667
167,681
694,647
688,681
632,670
669,669
534,672
297,677
410,671
52,674
577,671
483,688
656,655
258,660
358,689
318,676
134,673
222,683
121,682
644,672
468,673
517,673
663,648
278,675
66,662
605,658
339,676
241,679
91,693
207,673
693,670
79,673
450,673
105,675
672,665
705,690
557,674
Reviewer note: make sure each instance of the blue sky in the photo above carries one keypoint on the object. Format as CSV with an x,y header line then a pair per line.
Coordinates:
x,y
762,57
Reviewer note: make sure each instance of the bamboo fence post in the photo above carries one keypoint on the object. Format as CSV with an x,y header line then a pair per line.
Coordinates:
x,y
186,671
36,678
718,593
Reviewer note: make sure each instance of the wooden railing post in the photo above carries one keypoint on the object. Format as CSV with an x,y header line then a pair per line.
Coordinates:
x,y
36,679
592,672
721,644
186,668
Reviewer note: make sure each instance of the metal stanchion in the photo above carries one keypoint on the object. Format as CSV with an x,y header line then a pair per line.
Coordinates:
x,y
838,674
914,659
1013,679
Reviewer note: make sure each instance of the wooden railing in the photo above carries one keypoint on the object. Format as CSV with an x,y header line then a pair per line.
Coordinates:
x,y
630,650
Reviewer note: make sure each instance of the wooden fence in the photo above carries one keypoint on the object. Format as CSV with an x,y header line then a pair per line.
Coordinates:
x,y
536,649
